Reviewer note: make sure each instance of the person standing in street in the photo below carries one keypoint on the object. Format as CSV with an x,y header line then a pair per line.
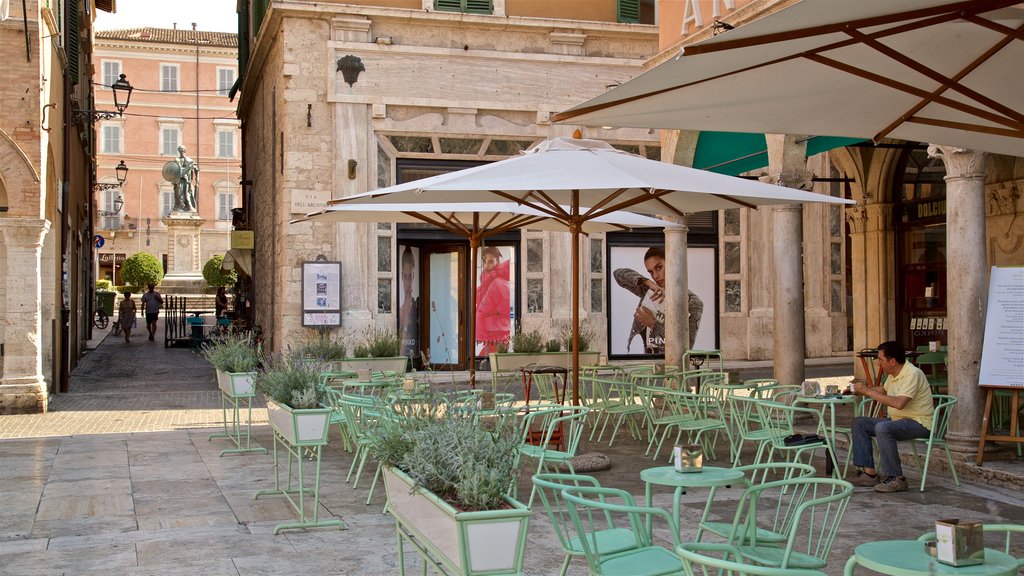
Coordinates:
x,y
151,303
126,316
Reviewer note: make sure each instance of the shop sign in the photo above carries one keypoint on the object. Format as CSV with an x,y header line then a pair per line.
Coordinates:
x,y
109,259
924,210
242,240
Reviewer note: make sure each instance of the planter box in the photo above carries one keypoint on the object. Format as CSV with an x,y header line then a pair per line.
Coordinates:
x,y
469,543
398,364
236,384
306,427
504,362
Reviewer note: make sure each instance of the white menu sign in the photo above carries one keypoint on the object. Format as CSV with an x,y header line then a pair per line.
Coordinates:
x,y
1002,357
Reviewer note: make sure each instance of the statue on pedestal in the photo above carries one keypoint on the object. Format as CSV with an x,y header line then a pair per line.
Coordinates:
x,y
183,172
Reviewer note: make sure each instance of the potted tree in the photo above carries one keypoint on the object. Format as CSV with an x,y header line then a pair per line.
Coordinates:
x,y
235,358
447,478
295,396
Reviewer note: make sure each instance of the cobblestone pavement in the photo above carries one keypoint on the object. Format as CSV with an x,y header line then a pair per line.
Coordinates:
x,y
120,478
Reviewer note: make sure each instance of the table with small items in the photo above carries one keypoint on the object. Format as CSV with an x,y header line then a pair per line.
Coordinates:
x,y
709,477
909,558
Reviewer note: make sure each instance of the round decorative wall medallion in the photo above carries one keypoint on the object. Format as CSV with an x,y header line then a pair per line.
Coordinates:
x,y
184,241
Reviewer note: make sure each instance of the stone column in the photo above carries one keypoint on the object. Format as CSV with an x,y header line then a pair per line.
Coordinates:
x,y
967,293
677,294
23,389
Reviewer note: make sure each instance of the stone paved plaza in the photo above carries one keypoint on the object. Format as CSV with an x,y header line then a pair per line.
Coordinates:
x,y
120,478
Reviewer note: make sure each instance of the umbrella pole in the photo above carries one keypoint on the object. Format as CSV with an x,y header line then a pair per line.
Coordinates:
x,y
574,228
474,243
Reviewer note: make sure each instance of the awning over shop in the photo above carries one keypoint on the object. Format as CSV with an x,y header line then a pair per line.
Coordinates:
x,y
239,260
734,153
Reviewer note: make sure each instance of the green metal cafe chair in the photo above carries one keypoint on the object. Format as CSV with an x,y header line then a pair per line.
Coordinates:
x,y
936,438
702,559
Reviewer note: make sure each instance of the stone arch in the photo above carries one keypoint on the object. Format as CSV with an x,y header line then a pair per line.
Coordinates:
x,y
16,174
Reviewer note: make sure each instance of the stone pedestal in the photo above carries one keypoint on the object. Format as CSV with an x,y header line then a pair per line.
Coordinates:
x,y
22,388
184,259
967,276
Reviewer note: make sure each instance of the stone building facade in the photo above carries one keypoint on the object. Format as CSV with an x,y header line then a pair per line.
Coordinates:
x,y
438,90
169,108
46,170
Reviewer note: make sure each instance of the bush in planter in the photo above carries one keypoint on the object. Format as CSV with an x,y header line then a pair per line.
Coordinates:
x,y
321,346
586,336
530,342
452,455
552,346
378,343
105,285
289,381
232,353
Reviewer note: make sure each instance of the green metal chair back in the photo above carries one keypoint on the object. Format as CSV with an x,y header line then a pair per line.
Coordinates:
x,y
1007,530
937,437
755,475
701,559
587,509
607,540
551,435
805,513
777,420
933,364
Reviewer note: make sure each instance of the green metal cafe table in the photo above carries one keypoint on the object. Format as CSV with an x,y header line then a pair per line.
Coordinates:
x,y
826,405
709,477
909,558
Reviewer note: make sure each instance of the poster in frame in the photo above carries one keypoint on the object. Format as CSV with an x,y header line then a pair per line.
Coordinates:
x,y
408,317
635,313
494,316
321,293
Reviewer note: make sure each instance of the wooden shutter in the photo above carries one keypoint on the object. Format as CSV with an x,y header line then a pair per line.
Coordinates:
x,y
629,11
71,35
467,6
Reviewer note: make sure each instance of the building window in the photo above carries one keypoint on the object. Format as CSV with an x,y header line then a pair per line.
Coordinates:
x,y
169,139
596,275
225,144
110,222
637,11
225,80
731,255
166,203
225,202
111,72
534,275
111,139
466,6
168,77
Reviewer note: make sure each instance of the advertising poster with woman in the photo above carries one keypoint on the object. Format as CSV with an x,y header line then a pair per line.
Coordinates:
x,y
637,299
494,290
409,301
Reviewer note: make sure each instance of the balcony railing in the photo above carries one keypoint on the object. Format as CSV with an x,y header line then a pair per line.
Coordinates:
x,y
116,223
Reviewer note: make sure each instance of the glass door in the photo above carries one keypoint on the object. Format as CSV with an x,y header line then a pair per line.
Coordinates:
x,y
445,301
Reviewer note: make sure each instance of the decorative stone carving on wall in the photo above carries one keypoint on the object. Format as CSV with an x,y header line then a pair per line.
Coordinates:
x,y
856,219
1002,201
959,162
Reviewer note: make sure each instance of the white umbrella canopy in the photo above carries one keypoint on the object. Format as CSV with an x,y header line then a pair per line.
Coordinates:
x,y
577,180
476,221
921,70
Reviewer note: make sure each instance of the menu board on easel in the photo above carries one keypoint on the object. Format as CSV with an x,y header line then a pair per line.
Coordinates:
x,y
1002,356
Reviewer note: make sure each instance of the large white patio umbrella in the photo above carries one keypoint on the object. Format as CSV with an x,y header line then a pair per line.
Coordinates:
x,y
921,70
477,221
577,174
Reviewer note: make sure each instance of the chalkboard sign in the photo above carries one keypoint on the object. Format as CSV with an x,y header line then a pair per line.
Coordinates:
x,y
1002,357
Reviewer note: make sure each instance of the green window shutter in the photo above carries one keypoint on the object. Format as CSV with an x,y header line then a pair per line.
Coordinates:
x,y
243,39
467,6
259,10
71,35
629,11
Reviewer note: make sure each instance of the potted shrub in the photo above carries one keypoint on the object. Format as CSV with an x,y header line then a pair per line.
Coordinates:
x,y
235,358
378,350
321,351
447,477
530,349
294,396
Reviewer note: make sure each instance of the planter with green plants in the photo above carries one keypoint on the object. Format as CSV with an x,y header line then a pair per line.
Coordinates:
x,y
530,349
378,351
447,479
295,397
235,358
321,351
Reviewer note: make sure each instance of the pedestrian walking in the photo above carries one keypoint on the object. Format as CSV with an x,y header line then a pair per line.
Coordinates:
x,y
126,316
151,303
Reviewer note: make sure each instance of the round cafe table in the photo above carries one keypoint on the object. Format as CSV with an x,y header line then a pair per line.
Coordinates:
x,y
709,477
909,558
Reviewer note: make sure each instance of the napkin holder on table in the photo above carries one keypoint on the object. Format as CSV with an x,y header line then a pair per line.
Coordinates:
x,y
959,542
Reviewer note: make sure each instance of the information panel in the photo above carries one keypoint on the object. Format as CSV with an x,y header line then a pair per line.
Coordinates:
x,y
1002,357
321,293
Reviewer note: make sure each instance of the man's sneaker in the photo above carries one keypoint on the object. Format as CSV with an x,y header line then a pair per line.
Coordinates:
x,y
861,478
892,484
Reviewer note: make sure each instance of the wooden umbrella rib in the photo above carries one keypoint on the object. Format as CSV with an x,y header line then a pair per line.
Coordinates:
x,y
912,90
967,127
946,83
972,6
671,208
1017,33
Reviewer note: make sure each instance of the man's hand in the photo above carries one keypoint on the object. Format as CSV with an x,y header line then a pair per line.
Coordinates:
x,y
644,316
860,388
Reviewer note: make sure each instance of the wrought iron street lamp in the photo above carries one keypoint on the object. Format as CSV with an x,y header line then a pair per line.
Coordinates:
x,y
122,90
122,174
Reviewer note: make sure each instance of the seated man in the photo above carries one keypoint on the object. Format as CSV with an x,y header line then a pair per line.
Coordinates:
x,y
909,399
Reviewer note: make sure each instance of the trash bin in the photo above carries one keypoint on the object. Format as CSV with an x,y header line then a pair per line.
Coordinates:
x,y
105,300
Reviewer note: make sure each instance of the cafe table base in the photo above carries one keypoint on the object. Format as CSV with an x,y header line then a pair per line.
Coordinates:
x,y
709,477
909,558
